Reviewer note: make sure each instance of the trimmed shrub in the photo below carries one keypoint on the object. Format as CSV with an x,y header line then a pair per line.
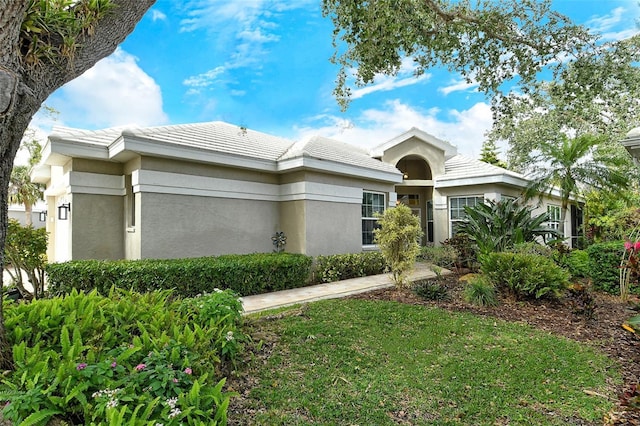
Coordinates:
x,y
479,291
524,275
128,358
604,265
443,256
244,274
337,267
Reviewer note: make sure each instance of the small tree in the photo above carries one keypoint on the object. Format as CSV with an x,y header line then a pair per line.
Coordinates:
x,y
26,251
398,241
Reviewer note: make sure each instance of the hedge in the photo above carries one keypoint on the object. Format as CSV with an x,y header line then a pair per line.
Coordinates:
x,y
244,274
344,266
604,265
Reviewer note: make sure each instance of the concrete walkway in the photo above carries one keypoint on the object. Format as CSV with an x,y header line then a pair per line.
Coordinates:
x,y
262,302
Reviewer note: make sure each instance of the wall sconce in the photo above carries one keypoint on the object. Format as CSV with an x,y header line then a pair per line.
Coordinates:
x,y
63,211
42,216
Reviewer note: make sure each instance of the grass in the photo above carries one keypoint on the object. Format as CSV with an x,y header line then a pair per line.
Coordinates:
x,y
358,362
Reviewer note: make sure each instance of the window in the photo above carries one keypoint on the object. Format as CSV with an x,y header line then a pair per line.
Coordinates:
x,y
372,203
456,210
554,218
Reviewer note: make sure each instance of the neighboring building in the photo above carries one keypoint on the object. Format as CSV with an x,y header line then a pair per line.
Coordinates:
x,y
213,188
38,216
632,143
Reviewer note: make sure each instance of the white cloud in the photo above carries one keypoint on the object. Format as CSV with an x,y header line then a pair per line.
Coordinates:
x,y
620,24
205,79
115,92
457,86
373,127
404,77
157,15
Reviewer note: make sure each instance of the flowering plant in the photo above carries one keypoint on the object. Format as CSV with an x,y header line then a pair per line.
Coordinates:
x,y
629,265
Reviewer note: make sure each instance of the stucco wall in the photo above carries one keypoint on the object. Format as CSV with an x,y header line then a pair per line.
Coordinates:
x,y
97,227
174,226
333,228
414,146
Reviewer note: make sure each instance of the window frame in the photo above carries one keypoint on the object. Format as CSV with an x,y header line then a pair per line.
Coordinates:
x,y
460,210
368,219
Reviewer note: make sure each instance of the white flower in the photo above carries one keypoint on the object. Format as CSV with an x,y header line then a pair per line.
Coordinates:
x,y
174,412
171,402
229,336
112,403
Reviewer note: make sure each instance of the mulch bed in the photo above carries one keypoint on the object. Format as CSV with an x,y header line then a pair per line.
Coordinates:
x,y
596,319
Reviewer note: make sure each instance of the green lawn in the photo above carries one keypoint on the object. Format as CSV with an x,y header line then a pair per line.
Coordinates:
x,y
354,362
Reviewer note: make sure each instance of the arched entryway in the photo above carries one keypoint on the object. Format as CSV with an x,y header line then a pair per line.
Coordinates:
x,y
416,191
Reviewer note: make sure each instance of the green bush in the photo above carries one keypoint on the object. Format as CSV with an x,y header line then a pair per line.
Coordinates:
x,y
244,274
344,266
466,249
430,290
443,256
524,275
577,262
604,265
479,291
25,250
397,238
532,247
90,359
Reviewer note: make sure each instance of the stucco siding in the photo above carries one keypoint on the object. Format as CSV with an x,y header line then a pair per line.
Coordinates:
x,y
333,228
191,226
97,227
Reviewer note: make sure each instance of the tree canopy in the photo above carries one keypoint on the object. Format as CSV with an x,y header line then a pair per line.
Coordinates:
x,y
490,43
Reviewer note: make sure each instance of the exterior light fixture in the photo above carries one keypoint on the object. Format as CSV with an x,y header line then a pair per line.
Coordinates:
x,y
42,216
63,211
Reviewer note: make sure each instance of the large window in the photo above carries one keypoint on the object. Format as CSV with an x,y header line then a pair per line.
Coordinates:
x,y
457,214
554,218
372,203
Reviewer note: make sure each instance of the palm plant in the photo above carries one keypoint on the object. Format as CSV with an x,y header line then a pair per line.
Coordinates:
x,y
572,165
21,189
498,226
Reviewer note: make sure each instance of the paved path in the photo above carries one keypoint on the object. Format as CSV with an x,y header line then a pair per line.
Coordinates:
x,y
262,302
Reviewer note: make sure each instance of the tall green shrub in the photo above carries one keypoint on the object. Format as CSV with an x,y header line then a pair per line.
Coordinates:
x,y
604,265
398,241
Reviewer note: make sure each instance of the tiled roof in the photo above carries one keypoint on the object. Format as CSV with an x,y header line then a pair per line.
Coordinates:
x,y
216,136
102,137
331,150
460,167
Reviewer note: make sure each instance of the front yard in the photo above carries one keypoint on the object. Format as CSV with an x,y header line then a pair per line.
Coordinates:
x,y
376,360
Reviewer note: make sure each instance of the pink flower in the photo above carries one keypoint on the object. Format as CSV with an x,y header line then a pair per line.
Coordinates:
x,y
114,364
636,246
175,380
627,245
81,366
140,367
188,371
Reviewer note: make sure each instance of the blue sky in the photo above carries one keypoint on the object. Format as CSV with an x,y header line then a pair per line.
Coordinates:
x,y
264,64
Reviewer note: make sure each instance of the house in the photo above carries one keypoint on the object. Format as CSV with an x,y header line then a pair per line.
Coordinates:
x,y
212,188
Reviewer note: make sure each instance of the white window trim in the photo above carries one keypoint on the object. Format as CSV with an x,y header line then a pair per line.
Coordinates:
x,y
449,209
384,207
